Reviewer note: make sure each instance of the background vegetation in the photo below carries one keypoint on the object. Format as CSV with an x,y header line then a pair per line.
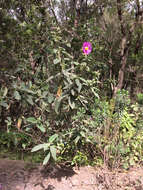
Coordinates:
x,y
63,105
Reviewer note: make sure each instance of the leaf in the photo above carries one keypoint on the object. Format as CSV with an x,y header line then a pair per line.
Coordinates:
x,y
37,147
55,51
75,63
46,159
42,129
67,54
23,145
95,94
29,31
46,146
5,91
19,122
85,82
77,139
17,95
39,93
57,104
69,45
32,120
29,91
29,100
53,151
72,92
72,104
50,98
56,61
53,137
78,84
68,86
30,84
82,134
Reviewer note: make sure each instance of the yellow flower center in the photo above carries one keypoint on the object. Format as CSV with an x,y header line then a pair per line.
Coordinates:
x,y
86,48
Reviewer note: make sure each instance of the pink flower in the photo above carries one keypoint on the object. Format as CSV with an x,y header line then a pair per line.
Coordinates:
x,y
87,48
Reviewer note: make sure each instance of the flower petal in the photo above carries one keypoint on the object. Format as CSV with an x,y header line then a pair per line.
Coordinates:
x,y
87,48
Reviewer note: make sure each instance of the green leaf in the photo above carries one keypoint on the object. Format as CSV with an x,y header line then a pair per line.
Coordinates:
x,y
17,95
95,94
77,139
29,91
57,104
29,32
5,91
32,120
67,54
53,151
29,100
53,137
75,63
78,84
55,51
39,93
23,145
72,104
46,159
85,81
30,84
46,146
82,134
37,147
69,45
50,98
42,129
72,92
56,61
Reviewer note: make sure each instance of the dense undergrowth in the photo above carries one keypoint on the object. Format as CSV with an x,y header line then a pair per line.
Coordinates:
x,y
70,127
58,103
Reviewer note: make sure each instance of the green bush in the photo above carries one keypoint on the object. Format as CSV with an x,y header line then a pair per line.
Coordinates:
x,y
56,101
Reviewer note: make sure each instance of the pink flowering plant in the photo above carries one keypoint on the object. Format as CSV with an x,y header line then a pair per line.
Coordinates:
x,y
87,48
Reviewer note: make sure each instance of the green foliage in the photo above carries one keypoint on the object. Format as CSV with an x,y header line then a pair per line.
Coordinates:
x,y
140,98
49,147
15,139
58,102
80,159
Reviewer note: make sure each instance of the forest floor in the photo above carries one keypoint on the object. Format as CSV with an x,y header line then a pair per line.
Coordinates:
x,y
18,175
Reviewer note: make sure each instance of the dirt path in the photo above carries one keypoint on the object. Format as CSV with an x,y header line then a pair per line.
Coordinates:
x,y
18,175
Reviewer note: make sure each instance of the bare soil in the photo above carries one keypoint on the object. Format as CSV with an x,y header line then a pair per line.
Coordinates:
x,y
18,175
